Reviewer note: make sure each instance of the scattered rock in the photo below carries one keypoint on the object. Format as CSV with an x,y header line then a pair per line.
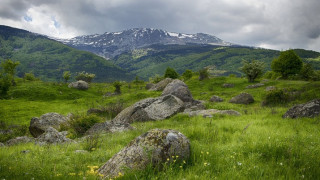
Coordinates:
x,y
216,99
5,131
255,85
161,85
82,85
150,109
243,98
108,127
178,89
39,125
1,144
271,88
52,136
228,85
18,140
155,146
149,86
210,112
310,109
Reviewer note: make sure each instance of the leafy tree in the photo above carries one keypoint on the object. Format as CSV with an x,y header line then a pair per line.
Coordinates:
x,y
84,76
117,85
5,83
307,71
252,69
203,74
288,63
29,76
171,73
66,75
9,68
187,74
137,80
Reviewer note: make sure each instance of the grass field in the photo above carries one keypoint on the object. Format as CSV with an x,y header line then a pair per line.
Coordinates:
x,y
259,144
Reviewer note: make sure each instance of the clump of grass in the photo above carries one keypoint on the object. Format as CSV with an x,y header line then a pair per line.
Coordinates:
x,y
276,97
92,142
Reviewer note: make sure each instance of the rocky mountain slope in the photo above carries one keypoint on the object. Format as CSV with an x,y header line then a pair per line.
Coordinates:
x,y
111,44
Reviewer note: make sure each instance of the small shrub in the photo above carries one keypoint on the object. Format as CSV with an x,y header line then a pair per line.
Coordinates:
x,y
92,142
29,77
84,76
80,124
203,74
307,71
252,69
171,73
5,84
187,74
276,97
117,85
66,76
157,78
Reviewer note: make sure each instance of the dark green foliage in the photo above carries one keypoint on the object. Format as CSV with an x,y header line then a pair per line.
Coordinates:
x,y
252,69
7,72
171,73
288,63
11,131
157,78
137,80
29,77
66,76
84,76
117,85
307,71
203,74
187,74
5,83
276,97
79,124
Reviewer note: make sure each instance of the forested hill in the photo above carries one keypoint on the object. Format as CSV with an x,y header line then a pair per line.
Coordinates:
x,y
48,59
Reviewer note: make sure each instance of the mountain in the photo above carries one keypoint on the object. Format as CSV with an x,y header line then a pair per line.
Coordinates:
x,y
109,45
48,59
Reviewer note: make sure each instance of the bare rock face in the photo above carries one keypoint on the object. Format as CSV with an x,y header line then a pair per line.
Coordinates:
x,y
149,86
39,125
18,140
52,136
107,127
82,85
161,85
211,112
155,146
178,89
150,109
310,109
243,98
216,99
255,85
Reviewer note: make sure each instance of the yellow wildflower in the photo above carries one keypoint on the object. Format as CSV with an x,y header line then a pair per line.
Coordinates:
x,y
180,166
184,162
72,174
205,164
92,149
58,174
177,156
120,174
168,159
207,152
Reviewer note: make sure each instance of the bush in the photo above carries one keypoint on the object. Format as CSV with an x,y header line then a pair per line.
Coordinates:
x,y
92,142
171,73
84,76
187,74
66,76
252,69
80,124
5,84
276,97
12,131
117,85
157,78
288,63
307,71
203,74
29,77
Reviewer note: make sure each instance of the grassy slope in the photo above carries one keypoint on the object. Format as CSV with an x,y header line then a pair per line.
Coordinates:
x,y
48,59
222,147
226,59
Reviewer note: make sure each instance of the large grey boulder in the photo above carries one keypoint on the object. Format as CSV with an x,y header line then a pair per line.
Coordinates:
x,y
155,147
211,112
216,99
161,85
82,85
310,109
178,89
52,136
255,85
39,125
243,98
19,140
108,127
150,109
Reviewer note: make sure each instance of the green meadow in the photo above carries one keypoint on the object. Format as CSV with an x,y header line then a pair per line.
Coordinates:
x,y
259,144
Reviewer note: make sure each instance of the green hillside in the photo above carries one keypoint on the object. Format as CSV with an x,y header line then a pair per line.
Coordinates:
x,y
224,60
48,59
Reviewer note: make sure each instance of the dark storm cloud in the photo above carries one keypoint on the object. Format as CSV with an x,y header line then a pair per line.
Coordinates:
x,y
279,24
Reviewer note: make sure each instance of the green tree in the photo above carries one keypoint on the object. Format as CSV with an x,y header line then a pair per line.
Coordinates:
x,y
84,76
203,74
187,74
252,69
9,69
288,63
66,75
171,73
307,71
117,85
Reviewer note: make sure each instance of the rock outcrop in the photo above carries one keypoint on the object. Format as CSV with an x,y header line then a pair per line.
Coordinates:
x,y
149,86
18,140
157,146
243,98
211,112
178,89
255,85
161,85
39,125
52,136
216,99
150,109
310,109
108,127
82,85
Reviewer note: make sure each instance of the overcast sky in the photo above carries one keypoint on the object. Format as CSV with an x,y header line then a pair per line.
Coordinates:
x,y
275,24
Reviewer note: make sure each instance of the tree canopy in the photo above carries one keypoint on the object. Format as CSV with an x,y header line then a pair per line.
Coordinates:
x,y
288,63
